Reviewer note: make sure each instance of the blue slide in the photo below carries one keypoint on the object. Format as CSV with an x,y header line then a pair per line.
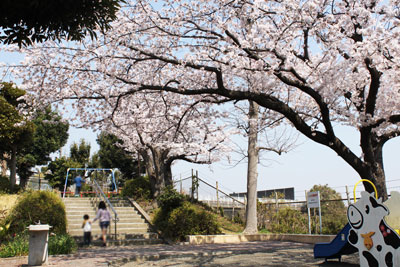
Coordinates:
x,y
336,248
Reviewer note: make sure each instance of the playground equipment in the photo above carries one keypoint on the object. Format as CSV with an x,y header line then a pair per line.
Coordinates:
x,y
337,247
367,232
86,170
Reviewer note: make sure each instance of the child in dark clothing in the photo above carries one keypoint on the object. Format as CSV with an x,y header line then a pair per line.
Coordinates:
x,y
87,229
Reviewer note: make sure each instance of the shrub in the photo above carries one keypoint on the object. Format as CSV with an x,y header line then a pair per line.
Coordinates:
x,y
238,219
170,199
138,188
187,219
19,245
34,206
289,221
62,244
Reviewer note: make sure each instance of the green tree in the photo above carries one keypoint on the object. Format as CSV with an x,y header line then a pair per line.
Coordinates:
x,y
51,133
16,131
94,161
80,153
25,21
79,158
112,155
333,210
57,170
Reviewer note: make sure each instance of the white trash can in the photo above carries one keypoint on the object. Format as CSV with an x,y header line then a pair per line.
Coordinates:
x,y
38,244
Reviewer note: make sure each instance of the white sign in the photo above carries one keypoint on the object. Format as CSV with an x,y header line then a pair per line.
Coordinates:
x,y
313,200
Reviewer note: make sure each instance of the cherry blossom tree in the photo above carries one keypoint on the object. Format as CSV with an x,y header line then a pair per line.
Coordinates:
x,y
318,63
162,127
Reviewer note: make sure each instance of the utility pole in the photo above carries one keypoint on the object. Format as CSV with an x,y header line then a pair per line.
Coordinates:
x,y
348,196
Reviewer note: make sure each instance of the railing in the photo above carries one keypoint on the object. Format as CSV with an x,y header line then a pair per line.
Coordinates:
x,y
100,194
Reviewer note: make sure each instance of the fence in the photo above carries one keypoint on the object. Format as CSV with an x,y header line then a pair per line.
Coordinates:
x,y
274,213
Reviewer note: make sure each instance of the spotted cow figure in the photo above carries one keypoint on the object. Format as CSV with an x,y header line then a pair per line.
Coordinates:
x,y
377,243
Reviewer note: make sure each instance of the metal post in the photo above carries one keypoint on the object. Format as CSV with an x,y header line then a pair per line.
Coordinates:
x,y
115,223
309,215
192,191
320,217
39,180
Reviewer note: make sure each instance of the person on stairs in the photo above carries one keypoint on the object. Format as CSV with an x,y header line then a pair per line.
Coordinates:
x,y
104,217
87,230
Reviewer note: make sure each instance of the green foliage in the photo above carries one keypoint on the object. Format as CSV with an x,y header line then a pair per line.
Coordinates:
x,y
51,134
289,221
18,246
15,131
24,22
177,218
58,171
333,212
62,244
9,115
221,211
94,161
4,227
170,199
31,141
112,155
34,206
4,184
138,188
80,153
187,219
238,219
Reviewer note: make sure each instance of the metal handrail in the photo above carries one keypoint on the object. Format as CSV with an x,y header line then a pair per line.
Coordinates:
x,y
99,194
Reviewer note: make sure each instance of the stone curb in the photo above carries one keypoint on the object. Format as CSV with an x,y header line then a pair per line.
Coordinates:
x,y
223,239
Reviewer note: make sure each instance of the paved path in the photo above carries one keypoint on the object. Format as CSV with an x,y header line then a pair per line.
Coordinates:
x,y
271,253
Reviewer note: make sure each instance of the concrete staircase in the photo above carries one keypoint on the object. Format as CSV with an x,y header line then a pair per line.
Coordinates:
x,y
131,227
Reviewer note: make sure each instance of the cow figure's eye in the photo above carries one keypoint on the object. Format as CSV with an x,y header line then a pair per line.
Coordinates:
x,y
366,209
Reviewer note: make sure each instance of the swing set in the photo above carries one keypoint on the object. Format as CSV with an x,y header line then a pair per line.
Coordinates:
x,y
90,170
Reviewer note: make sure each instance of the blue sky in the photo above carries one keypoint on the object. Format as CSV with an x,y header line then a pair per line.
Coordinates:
x,y
305,166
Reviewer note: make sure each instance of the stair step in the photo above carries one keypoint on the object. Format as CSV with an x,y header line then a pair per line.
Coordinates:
x,y
131,227
119,225
79,219
75,232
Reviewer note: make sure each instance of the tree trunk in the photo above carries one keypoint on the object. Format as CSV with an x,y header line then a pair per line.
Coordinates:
x,y
23,181
158,169
372,168
13,167
252,150
376,173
